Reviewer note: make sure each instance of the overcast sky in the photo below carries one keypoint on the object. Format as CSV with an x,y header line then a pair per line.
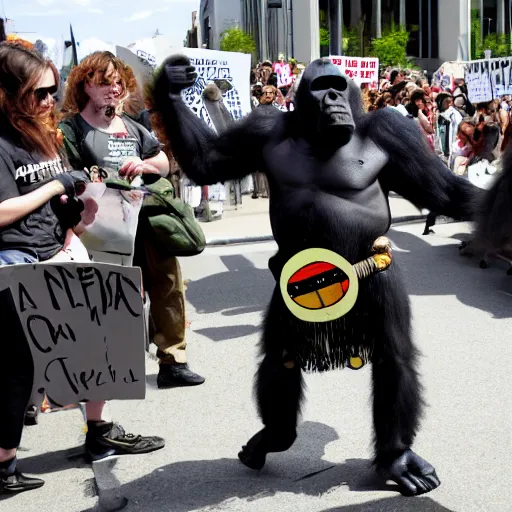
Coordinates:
x,y
113,21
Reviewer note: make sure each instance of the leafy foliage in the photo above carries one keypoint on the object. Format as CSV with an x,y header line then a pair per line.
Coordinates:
x,y
499,44
325,36
236,40
391,48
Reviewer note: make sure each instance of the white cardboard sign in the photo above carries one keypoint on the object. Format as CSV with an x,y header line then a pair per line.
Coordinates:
x,y
84,325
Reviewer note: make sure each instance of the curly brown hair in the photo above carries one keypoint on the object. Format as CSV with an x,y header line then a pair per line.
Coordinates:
x,y
93,70
20,115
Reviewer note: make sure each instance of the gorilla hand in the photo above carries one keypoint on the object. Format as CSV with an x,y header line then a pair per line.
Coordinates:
x,y
413,475
180,73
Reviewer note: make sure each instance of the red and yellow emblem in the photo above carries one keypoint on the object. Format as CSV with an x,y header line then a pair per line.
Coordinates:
x,y
319,285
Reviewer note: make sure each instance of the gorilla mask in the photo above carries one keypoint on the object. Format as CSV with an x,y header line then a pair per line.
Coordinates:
x,y
323,103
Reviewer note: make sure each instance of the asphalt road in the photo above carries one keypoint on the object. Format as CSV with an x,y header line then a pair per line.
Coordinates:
x,y
462,324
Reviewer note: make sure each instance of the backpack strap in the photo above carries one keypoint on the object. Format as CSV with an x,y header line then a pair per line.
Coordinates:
x,y
73,142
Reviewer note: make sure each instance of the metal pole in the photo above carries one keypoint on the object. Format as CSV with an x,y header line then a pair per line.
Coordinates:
x,y
402,18
335,27
292,48
264,33
482,20
420,2
429,10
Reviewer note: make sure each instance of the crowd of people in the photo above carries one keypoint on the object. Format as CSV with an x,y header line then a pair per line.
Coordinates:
x,y
461,133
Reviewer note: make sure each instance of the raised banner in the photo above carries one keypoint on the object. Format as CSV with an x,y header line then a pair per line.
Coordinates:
x,y
488,79
84,325
230,70
363,70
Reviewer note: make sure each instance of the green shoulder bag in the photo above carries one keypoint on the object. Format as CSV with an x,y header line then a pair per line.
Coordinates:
x,y
172,221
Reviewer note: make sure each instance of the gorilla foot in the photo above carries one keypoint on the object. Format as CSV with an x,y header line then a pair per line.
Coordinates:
x,y
254,453
413,475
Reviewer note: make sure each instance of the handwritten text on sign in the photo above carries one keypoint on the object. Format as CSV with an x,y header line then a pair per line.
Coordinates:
x,y
363,70
85,328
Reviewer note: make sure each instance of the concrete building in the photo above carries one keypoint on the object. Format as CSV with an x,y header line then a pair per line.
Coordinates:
x,y
193,37
215,16
439,30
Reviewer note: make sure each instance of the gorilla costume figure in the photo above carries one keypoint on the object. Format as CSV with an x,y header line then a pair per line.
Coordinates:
x,y
330,168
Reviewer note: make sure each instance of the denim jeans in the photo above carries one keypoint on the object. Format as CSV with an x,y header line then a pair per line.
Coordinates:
x,y
16,257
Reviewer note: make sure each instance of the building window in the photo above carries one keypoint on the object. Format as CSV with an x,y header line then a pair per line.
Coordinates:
x,y
422,23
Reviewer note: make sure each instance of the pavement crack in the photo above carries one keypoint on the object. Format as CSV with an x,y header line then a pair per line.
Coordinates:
x,y
310,475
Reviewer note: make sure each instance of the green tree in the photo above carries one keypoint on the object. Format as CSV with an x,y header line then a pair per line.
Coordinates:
x,y
499,44
476,35
236,40
391,48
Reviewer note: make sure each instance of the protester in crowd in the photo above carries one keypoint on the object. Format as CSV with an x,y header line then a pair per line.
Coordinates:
x,y
416,109
93,110
284,75
462,150
38,209
396,77
270,96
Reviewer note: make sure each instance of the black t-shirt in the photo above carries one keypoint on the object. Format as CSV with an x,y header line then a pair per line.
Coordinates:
x,y
43,231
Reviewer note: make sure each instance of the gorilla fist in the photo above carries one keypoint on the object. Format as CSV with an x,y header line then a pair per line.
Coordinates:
x,y
180,73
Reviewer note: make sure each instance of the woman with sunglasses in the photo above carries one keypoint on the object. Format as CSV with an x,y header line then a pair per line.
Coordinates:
x,y
38,210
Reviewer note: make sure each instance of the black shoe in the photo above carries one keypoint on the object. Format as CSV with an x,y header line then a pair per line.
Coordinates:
x,y
31,416
177,375
17,482
108,439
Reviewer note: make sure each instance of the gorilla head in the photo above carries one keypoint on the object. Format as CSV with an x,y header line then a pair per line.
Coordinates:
x,y
328,103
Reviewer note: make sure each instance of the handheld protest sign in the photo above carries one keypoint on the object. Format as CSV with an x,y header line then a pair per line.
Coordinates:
x,y
319,285
84,324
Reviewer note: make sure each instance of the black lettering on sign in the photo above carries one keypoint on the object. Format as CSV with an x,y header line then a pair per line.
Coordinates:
x,y
64,369
34,321
98,377
119,295
90,276
84,380
24,296
62,284
132,376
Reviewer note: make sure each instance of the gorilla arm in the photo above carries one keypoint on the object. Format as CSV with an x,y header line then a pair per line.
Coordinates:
x,y
416,172
204,156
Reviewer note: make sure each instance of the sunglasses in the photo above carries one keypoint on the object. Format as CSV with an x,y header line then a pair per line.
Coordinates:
x,y
42,93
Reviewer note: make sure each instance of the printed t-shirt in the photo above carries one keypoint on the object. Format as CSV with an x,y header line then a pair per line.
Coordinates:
x,y
109,150
41,232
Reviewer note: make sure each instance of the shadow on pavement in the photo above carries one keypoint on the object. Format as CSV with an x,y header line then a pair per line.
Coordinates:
x,y
440,270
191,485
428,270
242,289
397,504
51,462
229,332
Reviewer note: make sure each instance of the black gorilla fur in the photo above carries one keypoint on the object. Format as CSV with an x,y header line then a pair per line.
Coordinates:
x,y
330,168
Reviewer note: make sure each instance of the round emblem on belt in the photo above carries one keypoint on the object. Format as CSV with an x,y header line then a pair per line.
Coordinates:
x,y
319,285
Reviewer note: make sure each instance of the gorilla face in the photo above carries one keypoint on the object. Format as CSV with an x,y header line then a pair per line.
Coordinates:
x,y
324,103
333,106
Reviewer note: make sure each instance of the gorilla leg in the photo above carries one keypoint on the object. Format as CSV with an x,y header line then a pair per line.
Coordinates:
x,y
279,392
397,402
